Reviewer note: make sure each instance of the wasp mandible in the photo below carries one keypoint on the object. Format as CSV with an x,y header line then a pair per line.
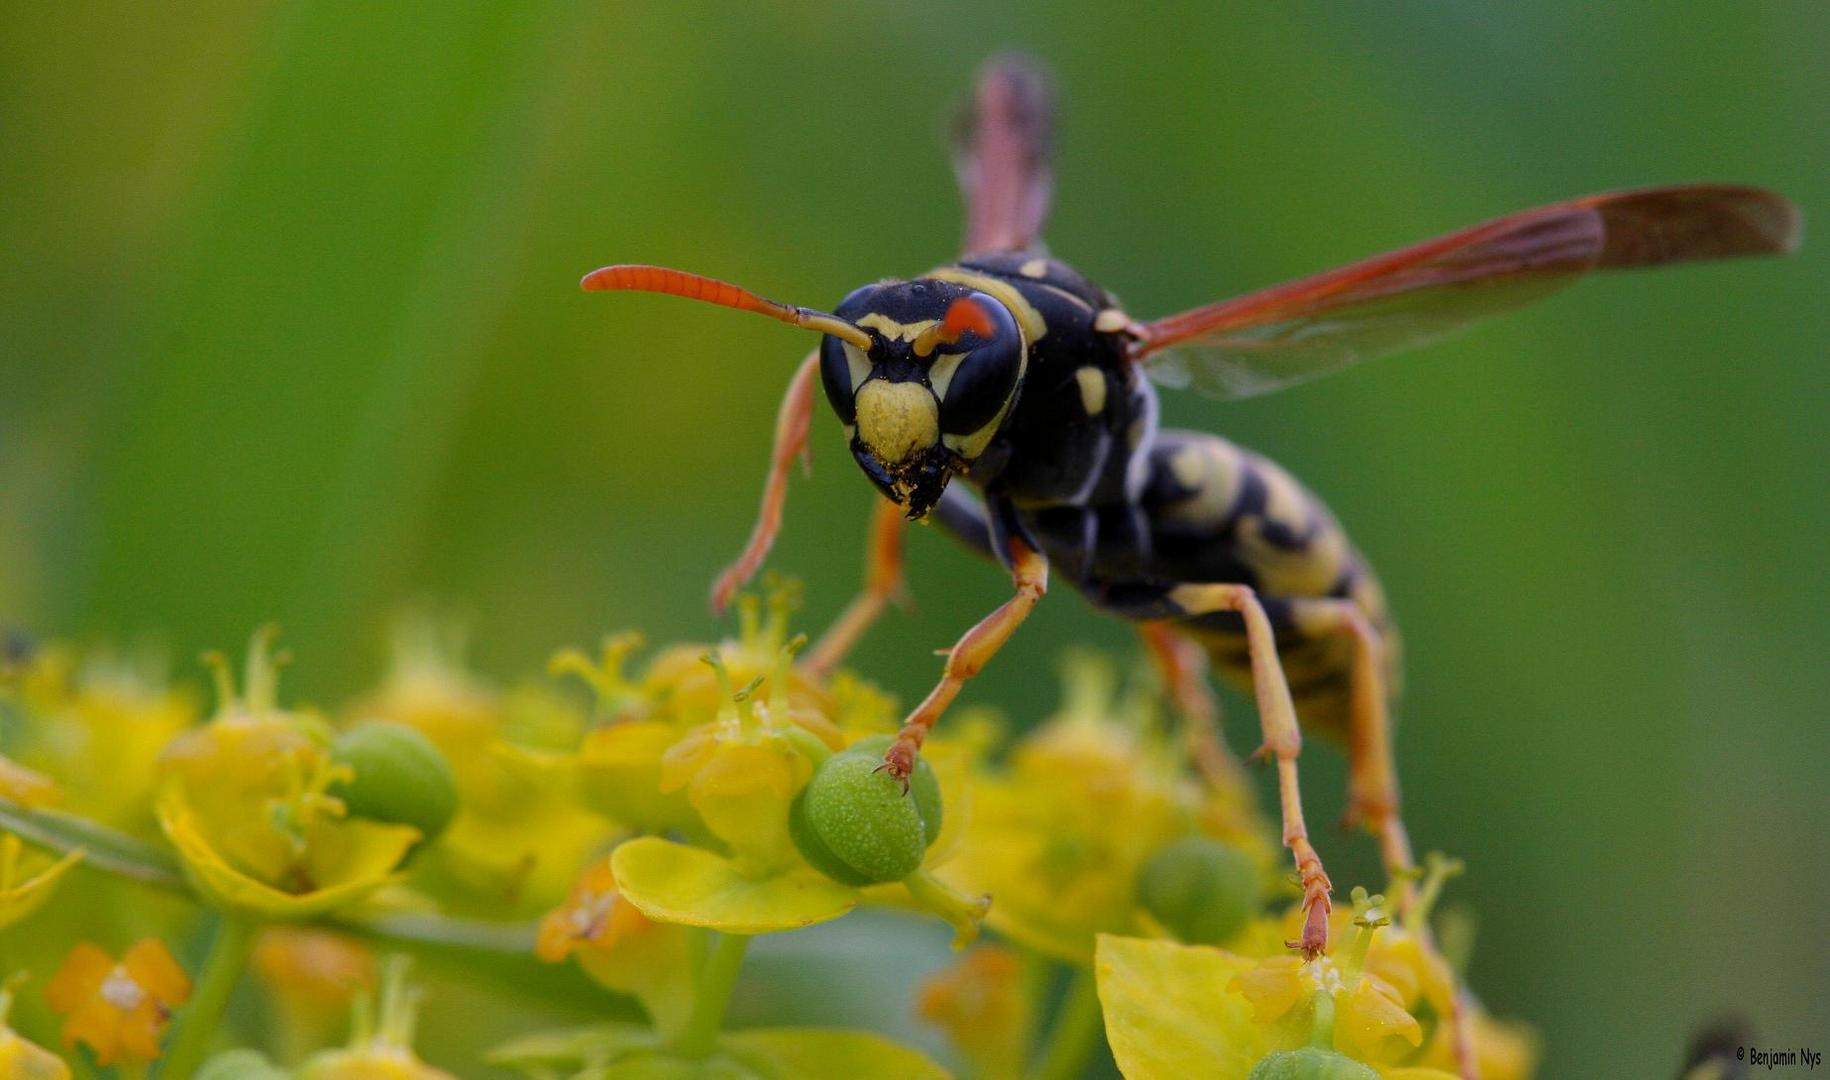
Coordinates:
x,y
1031,385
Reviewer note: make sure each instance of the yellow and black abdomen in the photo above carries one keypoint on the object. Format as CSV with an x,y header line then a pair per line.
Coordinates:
x,y
1219,513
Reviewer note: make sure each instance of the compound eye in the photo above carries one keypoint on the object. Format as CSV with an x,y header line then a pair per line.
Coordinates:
x,y
974,386
844,366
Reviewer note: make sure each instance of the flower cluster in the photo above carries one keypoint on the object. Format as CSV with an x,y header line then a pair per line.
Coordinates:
x,y
613,835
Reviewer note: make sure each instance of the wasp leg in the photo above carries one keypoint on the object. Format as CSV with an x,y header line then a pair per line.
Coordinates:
x,y
1372,778
1182,665
1029,571
1283,741
882,583
791,427
1372,784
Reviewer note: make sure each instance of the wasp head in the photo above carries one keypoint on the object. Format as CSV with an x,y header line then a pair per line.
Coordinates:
x,y
921,404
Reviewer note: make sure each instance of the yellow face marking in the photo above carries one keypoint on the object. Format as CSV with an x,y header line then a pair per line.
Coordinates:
x,y
940,376
1111,321
897,419
894,330
1034,268
1092,389
858,364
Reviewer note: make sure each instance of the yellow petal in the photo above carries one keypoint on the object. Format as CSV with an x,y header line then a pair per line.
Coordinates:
x,y
981,1003
826,1054
1502,1050
1273,986
23,1060
26,787
150,964
26,897
79,978
654,964
1413,968
675,883
620,776
1169,1015
1370,1014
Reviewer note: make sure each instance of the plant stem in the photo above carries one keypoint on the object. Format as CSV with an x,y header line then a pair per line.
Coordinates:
x,y
1076,1029
104,848
221,969
716,981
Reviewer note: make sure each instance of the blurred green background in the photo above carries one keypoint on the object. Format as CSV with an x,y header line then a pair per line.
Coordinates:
x,y
289,329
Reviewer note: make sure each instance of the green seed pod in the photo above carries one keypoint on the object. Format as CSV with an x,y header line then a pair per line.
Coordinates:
x,y
1202,890
1310,1063
855,825
240,1065
400,777
924,786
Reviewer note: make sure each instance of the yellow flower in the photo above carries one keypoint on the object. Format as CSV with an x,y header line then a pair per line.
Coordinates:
x,y
519,831
1059,836
335,862
98,727
680,688
22,894
1174,1010
1169,1013
118,1009
621,948
378,1049
594,917
312,970
1366,1012
1502,1051
251,753
980,1001
244,801
742,770
620,776
20,1058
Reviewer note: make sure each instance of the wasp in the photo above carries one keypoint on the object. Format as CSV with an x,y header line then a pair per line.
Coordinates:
x,y
1011,402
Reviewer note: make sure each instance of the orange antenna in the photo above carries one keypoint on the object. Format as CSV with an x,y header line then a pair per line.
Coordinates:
x,y
659,279
962,315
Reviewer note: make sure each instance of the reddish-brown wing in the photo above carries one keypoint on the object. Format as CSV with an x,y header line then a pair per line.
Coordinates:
x,y
1002,144
1289,333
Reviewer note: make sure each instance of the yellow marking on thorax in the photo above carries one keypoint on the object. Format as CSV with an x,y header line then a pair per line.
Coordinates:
x,y
1092,389
1211,470
1034,268
1311,570
893,330
1066,295
1111,321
